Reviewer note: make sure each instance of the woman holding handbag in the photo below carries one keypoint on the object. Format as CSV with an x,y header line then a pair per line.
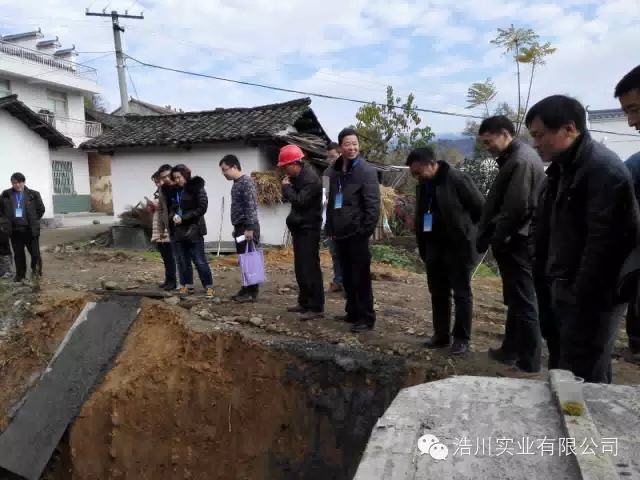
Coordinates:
x,y
187,213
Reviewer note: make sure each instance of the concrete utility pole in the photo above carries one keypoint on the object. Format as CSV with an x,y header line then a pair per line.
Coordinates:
x,y
117,41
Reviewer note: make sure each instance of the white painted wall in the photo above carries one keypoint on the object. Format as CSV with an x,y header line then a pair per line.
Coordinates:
x,y
131,172
28,153
34,95
623,145
80,162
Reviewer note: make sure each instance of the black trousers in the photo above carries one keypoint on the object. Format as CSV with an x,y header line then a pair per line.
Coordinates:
x,y
238,231
306,252
169,261
522,338
21,241
446,275
633,323
355,258
582,337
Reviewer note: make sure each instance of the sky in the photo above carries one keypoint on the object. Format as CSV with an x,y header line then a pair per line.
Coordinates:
x,y
432,48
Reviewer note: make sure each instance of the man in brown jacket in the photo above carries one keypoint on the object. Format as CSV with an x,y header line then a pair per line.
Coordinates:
x,y
160,233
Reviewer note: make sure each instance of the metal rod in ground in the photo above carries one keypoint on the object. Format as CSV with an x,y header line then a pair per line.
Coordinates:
x,y
221,223
481,260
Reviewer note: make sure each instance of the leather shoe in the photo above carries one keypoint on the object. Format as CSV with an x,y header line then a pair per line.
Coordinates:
x,y
361,327
499,356
434,342
458,348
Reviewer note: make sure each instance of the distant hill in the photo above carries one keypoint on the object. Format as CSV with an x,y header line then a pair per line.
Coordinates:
x,y
464,144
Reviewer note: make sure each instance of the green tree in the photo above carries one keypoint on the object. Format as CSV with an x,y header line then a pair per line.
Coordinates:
x,y
95,102
525,49
388,131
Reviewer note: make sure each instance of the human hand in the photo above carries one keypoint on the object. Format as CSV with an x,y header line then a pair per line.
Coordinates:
x,y
248,235
286,181
177,219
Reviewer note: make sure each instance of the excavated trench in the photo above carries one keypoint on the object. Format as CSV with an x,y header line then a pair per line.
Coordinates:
x,y
227,405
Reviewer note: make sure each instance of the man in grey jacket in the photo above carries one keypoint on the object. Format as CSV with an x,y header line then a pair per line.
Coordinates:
x,y
353,211
504,227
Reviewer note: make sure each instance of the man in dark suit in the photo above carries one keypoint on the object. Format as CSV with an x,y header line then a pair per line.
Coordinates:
x,y
24,209
448,208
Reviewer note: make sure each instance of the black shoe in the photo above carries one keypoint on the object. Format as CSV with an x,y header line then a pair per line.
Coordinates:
x,y
167,287
310,315
361,327
18,279
499,356
297,309
246,298
458,348
344,318
435,342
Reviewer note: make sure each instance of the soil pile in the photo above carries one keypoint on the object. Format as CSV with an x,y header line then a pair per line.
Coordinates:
x,y
182,404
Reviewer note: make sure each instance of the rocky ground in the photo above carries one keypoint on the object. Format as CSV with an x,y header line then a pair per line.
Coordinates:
x,y
401,296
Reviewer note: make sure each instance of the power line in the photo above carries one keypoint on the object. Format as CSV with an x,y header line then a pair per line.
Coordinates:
x,y
616,133
289,90
135,90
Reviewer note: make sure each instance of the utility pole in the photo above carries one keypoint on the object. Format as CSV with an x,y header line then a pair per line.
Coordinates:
x,y
117,41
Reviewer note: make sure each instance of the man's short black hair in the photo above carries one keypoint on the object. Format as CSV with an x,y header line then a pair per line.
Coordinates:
x,y
346,132
497,124
631,81
164,168
230,161
556,111
18,177
156,175
333,146
421,155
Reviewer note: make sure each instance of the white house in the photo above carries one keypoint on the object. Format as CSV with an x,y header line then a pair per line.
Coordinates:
x,y
140,144
47,79
611,128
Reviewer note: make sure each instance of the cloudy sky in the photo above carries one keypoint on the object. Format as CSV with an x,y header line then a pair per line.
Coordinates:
x,y
432,48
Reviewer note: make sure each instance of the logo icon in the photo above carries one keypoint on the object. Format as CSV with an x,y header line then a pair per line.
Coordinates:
x,y
431,444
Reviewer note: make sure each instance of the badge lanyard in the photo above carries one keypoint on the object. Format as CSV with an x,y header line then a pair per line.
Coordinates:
x,y
338,200
179,201
427,221
18,211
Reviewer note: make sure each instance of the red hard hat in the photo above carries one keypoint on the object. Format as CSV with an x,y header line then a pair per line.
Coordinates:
x,y
289,154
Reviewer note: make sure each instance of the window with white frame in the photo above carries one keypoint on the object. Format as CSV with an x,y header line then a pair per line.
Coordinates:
x,y
57,103
5,88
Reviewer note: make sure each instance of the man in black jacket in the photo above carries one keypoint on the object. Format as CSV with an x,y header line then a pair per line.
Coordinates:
x,y
448,207
504,227
24,208
628,92
353,211
586,225
168,192
302,188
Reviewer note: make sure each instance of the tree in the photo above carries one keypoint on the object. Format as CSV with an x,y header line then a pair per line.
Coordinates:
x,y
389,131
95,102
523,45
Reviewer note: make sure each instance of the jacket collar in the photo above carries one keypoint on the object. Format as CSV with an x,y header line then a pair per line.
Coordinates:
x,y
507,152
571,158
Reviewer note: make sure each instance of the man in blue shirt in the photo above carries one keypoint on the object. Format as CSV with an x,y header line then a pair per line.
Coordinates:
x,y
627,91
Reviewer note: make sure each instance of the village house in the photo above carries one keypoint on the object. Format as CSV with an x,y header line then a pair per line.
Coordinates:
x,y
140,144
41,80
611,128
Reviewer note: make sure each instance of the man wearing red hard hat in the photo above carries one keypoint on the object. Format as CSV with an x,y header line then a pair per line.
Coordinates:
x,y
302,188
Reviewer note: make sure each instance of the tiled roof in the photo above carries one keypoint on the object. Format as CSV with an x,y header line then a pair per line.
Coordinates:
x,y
106,119
610,113
33,121
21,36
150,106
220,125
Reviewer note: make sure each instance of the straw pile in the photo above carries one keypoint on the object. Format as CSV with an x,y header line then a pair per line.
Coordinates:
x,y
268,187
137,216
387,202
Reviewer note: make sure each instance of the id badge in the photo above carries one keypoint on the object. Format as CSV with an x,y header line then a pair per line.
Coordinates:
x,y
338,201
427,224
179,213
18,212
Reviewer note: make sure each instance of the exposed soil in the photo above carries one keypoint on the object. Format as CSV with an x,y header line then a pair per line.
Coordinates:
x,y
213,389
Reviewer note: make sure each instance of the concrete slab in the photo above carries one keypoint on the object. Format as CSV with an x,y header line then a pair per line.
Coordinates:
x,y
79,364
65,235
503,428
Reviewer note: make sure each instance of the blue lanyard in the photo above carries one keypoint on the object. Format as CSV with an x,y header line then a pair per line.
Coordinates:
x,y
427,193
179,198
340,178
19,199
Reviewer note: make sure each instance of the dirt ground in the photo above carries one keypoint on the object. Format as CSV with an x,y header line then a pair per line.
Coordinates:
x,y
402,304
196,376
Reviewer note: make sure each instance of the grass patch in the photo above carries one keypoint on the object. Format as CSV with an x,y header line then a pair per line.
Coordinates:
x,y
485,272
396,257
